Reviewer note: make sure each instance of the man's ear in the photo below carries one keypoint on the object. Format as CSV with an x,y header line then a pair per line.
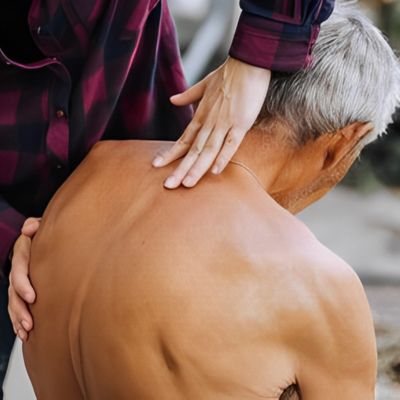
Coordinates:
x,y
344,142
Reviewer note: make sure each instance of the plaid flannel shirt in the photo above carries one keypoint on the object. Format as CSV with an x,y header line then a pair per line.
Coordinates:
x,y
107,72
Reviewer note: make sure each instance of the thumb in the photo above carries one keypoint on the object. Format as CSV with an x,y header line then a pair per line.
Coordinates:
x,y
20,269
30,226
189,96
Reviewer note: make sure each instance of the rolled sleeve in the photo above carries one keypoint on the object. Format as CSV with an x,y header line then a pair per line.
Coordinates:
x,y
11,222
280,41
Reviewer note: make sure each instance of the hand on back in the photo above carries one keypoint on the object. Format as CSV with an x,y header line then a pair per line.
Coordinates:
x,y
21,292
229,101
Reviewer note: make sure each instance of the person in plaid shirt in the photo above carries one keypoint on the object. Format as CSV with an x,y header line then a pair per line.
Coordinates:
x,y
73,73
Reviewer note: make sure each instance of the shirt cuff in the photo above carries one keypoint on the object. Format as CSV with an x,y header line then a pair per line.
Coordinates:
x,y
273,45
11,222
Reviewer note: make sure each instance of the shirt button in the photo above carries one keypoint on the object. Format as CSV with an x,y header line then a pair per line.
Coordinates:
x,y
38,30
58,166
60,114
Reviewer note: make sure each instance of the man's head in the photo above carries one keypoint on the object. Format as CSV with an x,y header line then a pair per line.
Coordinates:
x,y
331,110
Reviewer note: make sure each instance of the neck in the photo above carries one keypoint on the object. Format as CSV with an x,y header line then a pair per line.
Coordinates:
x,y
268,157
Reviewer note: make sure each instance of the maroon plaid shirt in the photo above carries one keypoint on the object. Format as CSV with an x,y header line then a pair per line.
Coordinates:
x,y
106,70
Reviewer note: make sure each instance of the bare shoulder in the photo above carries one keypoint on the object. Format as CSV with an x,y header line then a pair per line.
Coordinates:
x,y
303,280
128,148
328,288
331,284
315,308
332,330
340,293
118,158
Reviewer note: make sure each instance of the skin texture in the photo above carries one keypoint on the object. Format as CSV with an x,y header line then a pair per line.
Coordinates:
x,y
237,301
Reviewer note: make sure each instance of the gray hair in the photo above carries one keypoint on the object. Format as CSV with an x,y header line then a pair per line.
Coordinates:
x,y
355,77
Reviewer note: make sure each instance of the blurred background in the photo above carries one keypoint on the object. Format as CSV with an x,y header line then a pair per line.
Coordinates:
x,y
359,220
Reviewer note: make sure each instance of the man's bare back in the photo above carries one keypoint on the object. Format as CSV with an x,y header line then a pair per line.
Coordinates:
x,y
211,293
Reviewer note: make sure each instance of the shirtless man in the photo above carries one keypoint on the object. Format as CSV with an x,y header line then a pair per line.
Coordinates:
x,y
217,292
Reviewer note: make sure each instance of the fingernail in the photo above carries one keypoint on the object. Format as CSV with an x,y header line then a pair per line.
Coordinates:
x,y
25,324
157,161
188,181
215,170
170,182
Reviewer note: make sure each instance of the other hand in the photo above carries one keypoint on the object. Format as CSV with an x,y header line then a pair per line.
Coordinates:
x,y
229,101
20,290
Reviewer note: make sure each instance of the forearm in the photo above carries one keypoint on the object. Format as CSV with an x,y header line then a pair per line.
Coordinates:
x,y
279,35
